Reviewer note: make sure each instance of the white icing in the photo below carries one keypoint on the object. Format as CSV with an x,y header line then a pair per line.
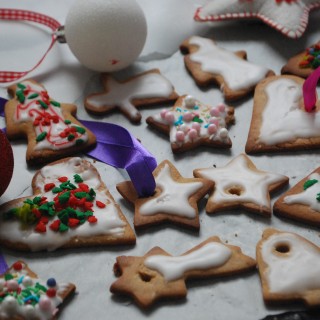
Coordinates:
x,y
237,73
297,270
236,174
173,198
109,222
282,119
150,85
211,255
29,110
307,197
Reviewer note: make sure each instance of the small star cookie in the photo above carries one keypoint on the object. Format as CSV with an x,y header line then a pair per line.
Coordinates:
x,y
175,198
240,184
158,275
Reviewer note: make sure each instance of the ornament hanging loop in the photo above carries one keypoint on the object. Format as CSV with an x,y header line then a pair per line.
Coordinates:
x,y
60,35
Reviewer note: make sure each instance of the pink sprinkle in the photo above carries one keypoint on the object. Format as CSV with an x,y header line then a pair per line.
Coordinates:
x,y
180,136
196,126
214,121
212,129
193,134
214,112
188,116
221,107
12,285
169,117
163,113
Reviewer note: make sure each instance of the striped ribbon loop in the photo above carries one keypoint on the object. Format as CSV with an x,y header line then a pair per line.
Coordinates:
x,y
25,15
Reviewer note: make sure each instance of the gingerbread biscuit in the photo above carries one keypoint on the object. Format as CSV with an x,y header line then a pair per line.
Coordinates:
x,y
25,296
175,198
302,201
145,89
279,119
289,268
50,126
70,207
208,63
191,123
158,275
240,184
304,63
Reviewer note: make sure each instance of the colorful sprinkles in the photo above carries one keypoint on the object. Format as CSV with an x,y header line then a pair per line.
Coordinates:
x,y
311,58
72,206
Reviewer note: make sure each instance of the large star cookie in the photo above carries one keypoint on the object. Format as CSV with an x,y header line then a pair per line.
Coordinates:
x,y
145,89
175,198
24,296
71,207
191,123
279,119
240,184
290,17
158,275
49,126
302,202
208,63
289,268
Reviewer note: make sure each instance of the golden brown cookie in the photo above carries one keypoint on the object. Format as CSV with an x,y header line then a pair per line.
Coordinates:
x,y
279,120
175,198
25,296
158,275
145,89
302,202
191,123
70,207
208,63
240,184
289,268
49,126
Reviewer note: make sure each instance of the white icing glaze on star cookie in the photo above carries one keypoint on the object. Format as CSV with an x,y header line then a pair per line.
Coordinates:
x,y
237,73
296,269
283,120
208,256
174,196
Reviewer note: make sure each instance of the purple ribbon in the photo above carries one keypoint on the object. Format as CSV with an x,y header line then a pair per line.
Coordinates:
x,y
310,90
3,264
118,148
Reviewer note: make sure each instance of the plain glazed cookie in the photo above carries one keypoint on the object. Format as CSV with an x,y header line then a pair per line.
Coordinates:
x,y
70,207
208,63
143,90
49,126
157,275
175,198
302,202
289,267
279,120
25,296
191,123
239,184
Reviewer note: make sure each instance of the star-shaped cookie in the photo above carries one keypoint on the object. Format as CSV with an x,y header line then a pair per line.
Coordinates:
x,y
158,275
175,198
240,184
145,89
290,17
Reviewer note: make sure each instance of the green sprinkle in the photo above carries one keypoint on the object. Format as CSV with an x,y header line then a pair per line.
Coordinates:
x,y
28,201
79,142
63,216
64,198
89,197
63,227
88,214
67,121
80,195
33,95
92,192
20,96
41,136
43,104
309,183
36,200
55,103
56,190
80,130
40,287
318,197
21,86
11,213
8,276
80,215
71,137
77,178
197,119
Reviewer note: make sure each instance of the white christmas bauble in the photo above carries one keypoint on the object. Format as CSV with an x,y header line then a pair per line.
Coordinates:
x,y
106,35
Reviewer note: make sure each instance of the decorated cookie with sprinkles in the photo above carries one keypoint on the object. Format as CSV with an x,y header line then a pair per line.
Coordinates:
x,y
49,126
157,275
302,202
175,198
70,207
280,121
289,268
208,63
23,295
191,123
239,184
304,63
145,89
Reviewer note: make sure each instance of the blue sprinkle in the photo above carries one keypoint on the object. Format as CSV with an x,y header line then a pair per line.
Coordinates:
x,y
20,279
179,121
196,107
51,282
178,109
206,125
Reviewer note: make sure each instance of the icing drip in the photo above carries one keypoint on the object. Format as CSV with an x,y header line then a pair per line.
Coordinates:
x,y
238,73
294,271
211,255
283,120
173,198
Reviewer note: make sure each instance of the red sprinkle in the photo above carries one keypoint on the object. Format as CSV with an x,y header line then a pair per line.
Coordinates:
x,y
36,212
84,187
17,266
72,223
44,220
92,219
51,292
100,204
49,186
40,227
63,179
54,226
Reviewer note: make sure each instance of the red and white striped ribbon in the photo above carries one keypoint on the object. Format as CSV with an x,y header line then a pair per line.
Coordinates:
x,y
25,15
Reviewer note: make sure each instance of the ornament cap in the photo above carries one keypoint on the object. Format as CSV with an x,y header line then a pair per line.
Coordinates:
x,y
60,35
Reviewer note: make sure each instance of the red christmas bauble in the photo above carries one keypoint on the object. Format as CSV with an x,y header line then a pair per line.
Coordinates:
x,y
6,162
